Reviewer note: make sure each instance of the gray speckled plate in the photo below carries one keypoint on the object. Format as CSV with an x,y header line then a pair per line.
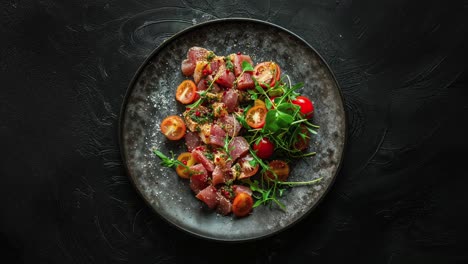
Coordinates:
x,y
150,98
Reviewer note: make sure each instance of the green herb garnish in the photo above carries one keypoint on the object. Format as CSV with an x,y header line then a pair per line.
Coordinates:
x,y
229,64
169,162
246,66
210,56
284,124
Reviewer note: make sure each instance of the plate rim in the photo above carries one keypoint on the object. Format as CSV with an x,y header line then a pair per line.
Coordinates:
x,y
131,86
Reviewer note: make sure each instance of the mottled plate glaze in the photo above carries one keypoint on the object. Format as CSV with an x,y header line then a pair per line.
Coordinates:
x,y
150,98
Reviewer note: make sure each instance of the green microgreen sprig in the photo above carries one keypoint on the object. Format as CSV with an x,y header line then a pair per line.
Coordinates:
x,y
169,162
284,124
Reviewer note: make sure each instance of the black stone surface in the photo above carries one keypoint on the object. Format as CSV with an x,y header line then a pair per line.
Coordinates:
x,y
399,198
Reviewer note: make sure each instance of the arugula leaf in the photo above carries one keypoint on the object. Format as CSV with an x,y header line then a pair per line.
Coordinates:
x,y
259,89
287,108
291,184
312,131
226,147
246,66
168,162
276,120
258,203
268,104
253,94
270,121
253,163
242,121
281,191
196,103
253,185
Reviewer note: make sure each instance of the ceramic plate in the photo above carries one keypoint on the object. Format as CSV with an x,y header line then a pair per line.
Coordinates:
x,y
150,98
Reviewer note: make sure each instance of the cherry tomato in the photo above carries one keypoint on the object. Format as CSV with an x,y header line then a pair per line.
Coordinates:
x,y
259,102
255,116
264,149
302,143
186,92
267,73
242,204
247,170
187,159
307,107
173,127
280,168
278,72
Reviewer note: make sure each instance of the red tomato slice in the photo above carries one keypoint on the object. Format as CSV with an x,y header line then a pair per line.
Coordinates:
x,y
247,170
186,92
267,73
242,204
255,116
173,127
187,159
280,168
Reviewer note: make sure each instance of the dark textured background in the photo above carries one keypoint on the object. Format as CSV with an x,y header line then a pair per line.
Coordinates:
x,y
400,197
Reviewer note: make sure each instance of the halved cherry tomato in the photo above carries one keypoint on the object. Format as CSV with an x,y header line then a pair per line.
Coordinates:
x,y
242,204
264,149
173,127
187,159
247,170
280,168
267,73
307,107
302,143
278,72
255,116
186,92
259,102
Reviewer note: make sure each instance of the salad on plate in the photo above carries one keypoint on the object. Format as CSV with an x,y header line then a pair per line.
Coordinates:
x,y
242,126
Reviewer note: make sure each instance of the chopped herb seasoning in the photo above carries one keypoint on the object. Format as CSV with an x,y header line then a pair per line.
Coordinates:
x,y
229,64
210,56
